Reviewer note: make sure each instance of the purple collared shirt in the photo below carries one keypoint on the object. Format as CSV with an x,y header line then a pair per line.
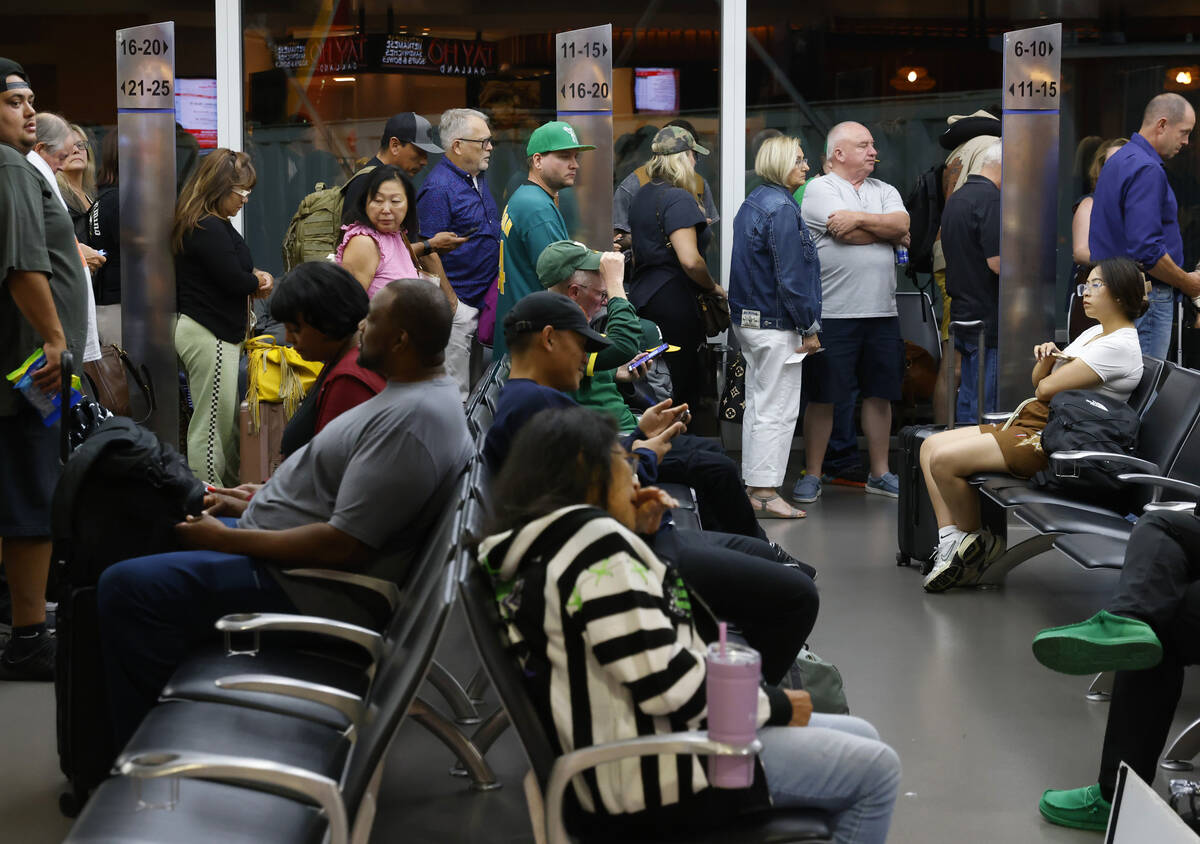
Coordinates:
x,y
449,201
1134,212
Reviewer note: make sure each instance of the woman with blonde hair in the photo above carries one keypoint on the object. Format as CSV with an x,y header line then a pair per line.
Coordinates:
x,y
214,275
77,178
670,234
775,307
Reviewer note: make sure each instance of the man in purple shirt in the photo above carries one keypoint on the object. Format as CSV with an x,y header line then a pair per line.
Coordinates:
x,y
1135,215
455,197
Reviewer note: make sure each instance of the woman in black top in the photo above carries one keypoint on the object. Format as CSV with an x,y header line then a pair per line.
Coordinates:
x,y
214,276
670,234
102,231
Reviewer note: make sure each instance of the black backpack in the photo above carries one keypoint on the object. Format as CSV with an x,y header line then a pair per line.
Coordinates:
x,y
924,205
120,496
1084,420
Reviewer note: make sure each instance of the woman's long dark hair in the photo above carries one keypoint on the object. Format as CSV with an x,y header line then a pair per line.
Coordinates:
x,y
381,174
325,294
1126,285
561,457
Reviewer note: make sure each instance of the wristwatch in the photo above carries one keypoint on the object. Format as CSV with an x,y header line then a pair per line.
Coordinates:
x,y
428,249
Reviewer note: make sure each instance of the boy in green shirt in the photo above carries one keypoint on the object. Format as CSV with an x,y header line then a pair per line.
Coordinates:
x,y
531,219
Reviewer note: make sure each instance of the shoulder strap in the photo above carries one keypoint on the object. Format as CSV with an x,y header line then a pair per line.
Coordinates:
x,y
643,175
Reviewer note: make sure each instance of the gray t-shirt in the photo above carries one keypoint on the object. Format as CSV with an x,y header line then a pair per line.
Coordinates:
x,y
857,281
630,185
380,472
36,235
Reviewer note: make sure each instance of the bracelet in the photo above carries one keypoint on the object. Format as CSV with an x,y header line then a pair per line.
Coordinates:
x,y
427,247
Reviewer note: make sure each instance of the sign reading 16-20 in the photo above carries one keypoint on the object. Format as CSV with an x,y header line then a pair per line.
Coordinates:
x,y
146,67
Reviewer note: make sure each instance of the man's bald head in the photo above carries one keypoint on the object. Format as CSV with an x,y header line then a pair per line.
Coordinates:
x,y
850,151
1167,124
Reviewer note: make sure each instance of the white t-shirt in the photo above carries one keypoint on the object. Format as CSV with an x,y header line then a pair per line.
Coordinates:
x,y
1117,359
858,281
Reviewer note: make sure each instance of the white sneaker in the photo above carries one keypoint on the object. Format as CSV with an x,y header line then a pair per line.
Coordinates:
x,y
943,560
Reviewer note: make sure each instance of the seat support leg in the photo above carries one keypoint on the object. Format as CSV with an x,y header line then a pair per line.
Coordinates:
x,y
995,574
453,693
1101,689
485,736
1183,750
482,776
477,685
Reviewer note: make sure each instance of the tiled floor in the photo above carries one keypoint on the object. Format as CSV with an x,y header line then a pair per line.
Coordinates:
x,y
949,680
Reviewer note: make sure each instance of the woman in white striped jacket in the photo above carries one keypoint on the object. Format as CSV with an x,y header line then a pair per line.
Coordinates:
x,y
613,647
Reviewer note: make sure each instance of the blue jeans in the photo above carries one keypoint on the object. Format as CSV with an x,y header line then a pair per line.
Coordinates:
x,y
1154,327
155,610
836,763
966,411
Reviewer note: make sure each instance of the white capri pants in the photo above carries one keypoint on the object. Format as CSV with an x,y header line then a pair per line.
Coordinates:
x,y
772,403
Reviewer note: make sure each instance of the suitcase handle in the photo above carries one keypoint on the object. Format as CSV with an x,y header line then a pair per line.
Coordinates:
x,y
951,393
66,365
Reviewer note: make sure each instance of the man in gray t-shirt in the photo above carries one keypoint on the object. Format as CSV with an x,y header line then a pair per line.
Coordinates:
x,y
43,307
855,221
360,496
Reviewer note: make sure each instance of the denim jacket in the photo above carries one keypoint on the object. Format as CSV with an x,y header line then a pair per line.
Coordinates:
x,y
775,276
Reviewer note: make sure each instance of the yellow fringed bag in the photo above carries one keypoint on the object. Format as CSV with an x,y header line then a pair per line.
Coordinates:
x,y
276,374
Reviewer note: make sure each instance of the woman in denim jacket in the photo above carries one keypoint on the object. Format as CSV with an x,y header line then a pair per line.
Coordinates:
x,y
775,303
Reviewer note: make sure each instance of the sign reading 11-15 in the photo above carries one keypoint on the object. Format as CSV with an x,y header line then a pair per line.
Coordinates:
x,y
583,60
1032,68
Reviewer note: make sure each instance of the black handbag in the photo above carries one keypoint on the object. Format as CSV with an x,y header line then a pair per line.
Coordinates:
x,y
733,396
712,308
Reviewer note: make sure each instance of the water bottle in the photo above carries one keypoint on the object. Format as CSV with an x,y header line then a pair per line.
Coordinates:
x,y
901,256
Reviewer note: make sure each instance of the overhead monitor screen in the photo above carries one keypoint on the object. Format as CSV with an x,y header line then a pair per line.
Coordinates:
x,y
196,109
656,89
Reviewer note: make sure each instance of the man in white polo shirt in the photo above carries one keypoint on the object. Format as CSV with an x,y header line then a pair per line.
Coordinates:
x,y
856,221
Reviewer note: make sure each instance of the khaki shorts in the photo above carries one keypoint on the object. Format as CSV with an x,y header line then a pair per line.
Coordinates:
x,y
1020,439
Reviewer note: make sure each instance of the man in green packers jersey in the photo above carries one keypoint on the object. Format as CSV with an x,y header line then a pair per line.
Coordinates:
x,y
531,220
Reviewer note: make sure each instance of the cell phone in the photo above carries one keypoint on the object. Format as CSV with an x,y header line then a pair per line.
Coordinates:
x,y
1061,356
468,232
646,357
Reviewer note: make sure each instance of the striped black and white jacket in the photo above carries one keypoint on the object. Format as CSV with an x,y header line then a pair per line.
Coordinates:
x,y
606,635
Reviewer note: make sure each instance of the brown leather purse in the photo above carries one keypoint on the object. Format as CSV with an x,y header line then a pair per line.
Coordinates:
x,y
108,380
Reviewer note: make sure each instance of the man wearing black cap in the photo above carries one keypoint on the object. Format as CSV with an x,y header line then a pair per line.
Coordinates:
x,y
43,307
741,577
406,143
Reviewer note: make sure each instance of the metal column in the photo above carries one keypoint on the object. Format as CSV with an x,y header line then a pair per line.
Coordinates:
x,y
733,123
583,61
1029,203
230,109
146,144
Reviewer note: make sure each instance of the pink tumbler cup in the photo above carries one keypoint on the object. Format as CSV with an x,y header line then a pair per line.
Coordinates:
x,y
732,689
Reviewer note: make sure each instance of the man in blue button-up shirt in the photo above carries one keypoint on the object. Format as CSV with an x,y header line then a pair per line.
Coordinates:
x,y
1134,215
455,198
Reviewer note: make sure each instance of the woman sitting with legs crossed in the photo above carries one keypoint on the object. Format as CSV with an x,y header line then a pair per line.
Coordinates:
x,y
1106,358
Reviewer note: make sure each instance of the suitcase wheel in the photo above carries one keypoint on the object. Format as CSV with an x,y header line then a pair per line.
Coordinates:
x,y
70,803
902,559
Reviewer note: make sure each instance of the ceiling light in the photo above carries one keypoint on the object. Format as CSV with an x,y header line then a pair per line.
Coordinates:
x,y
1185,78
344,79
912,76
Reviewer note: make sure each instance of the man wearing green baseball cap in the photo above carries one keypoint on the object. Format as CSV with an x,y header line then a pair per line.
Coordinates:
x,y
531,220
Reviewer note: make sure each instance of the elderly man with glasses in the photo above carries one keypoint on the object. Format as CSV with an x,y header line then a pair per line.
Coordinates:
x,y
455,198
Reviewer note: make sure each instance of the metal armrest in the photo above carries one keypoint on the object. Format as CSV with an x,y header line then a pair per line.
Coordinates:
x,y
996,418
693,742
287,780
350,705
384,588
257,622
1160,483
1072,457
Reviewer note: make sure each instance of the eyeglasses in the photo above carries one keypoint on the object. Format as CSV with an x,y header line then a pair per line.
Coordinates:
x,y
1081,289
633,459
484,143
801,161
242,192
82,146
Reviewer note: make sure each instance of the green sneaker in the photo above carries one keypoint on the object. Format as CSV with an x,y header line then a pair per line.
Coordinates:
x,y
1105,642
1079,808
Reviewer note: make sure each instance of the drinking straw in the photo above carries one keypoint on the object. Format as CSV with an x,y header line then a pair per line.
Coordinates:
x,y
721,628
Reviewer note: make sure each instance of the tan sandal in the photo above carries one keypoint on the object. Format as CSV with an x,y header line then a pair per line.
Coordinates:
x,y
761,511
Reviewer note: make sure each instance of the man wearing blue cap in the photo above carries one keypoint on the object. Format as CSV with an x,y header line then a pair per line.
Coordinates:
x,y
531,220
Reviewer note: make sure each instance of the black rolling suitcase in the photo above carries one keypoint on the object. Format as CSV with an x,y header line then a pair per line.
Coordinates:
x,y
119,496
916,528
